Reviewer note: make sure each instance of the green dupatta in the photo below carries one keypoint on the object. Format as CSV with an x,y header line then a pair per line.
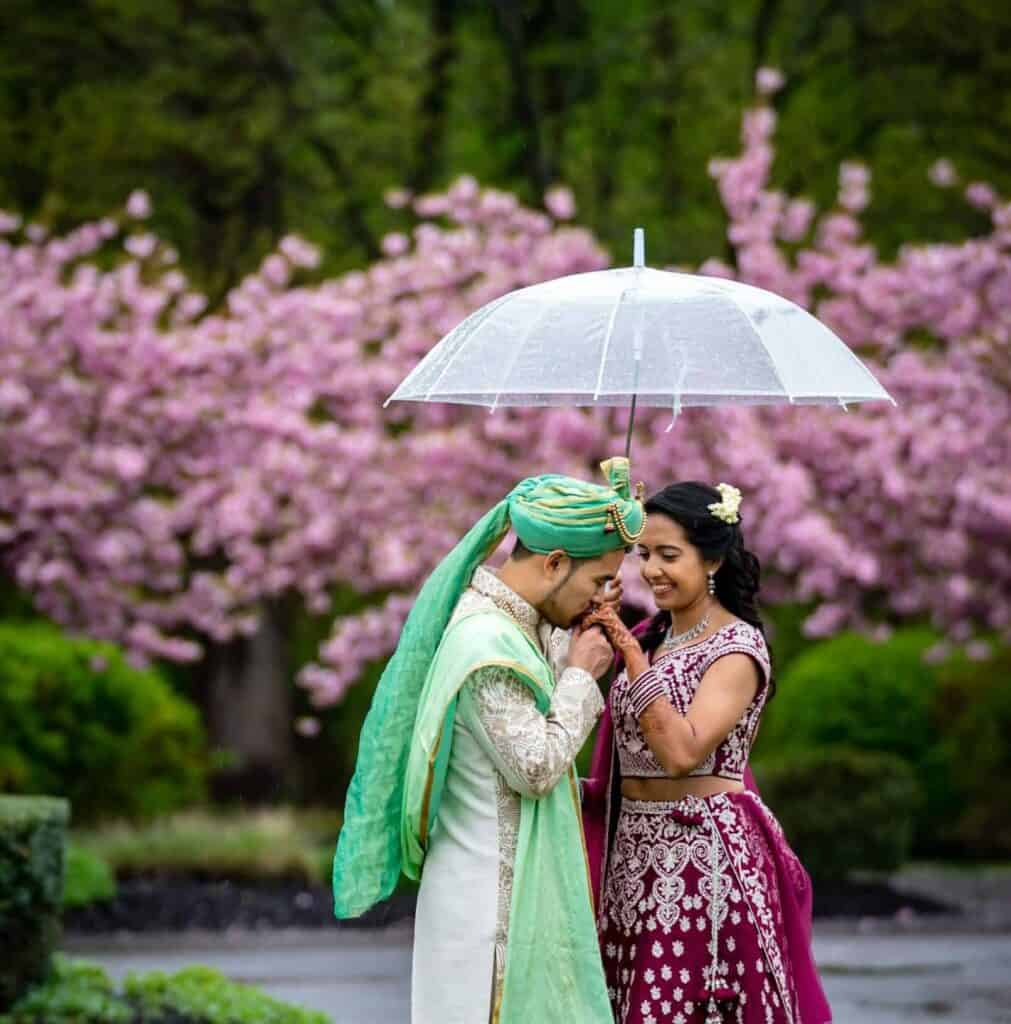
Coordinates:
x,y
553,969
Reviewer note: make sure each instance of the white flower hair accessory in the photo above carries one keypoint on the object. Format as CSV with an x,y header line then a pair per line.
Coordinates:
x,y
727,508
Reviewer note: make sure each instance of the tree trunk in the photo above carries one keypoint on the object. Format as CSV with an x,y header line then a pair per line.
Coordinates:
x,y
525,110
248,705
431,116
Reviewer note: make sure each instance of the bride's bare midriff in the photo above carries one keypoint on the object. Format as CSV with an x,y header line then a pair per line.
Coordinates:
x,y
676,789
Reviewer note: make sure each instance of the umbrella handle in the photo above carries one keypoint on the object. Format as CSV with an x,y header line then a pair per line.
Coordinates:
x,y
631,423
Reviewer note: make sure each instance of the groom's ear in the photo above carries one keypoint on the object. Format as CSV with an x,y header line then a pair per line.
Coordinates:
x,y
556,564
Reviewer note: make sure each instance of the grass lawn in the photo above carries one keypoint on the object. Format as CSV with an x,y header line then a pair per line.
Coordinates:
x,y
273,843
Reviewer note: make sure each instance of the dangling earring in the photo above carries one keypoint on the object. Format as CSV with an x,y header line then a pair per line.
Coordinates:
x,y
712,584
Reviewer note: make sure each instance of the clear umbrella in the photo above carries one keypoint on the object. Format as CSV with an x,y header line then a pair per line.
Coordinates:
x,y
635,335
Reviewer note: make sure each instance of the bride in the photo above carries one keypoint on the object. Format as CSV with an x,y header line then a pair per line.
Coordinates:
x,y
702,907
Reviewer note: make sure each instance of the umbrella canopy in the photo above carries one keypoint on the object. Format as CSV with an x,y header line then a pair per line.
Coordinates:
x,y
638,335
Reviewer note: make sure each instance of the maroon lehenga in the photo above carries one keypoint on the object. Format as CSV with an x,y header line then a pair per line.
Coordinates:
x,y
704,912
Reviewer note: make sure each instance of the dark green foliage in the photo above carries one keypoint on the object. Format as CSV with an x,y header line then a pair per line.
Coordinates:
x,y
897,86
243,120
853,692
75,993
973,713
342,730
843,810
88,878
784,626
79,993
15,604
32,832
247,120
327,762
77,721
199,994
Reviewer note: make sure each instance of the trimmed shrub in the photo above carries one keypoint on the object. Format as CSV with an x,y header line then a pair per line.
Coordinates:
x,y
75,993
80,993
87,878
32,831
279,843
201,995
843,810
973,714
77,721
852,692
784,624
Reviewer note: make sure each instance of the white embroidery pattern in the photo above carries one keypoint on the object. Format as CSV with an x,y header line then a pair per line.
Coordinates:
x,y
535,750
557,648
681,672
524,614
648,888
508,805
746,847
532,751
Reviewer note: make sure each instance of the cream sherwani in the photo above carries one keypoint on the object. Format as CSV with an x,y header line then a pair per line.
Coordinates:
x,y
503,747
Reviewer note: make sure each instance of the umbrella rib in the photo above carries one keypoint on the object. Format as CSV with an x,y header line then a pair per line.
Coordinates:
x,y
853,357
489,309
768,354
607,341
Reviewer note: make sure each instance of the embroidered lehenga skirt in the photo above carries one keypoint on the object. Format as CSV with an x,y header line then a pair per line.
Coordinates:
x,y
691,924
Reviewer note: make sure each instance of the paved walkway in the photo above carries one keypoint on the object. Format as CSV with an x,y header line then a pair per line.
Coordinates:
x,y
360,977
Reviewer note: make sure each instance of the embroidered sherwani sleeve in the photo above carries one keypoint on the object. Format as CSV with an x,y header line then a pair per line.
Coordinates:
x,y
531,750
557,646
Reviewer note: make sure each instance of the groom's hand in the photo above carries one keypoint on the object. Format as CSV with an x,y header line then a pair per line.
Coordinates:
x,y
591,651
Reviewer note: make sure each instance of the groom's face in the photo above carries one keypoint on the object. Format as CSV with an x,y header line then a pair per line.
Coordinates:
x,y
574,587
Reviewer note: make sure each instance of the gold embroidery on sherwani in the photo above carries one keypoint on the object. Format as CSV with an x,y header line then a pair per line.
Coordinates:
x,y
531,751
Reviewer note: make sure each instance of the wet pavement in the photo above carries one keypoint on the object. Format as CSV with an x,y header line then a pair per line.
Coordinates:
x,y
951,978
872,975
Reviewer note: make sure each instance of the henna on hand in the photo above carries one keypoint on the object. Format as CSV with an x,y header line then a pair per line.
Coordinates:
x,y
618,633
623,640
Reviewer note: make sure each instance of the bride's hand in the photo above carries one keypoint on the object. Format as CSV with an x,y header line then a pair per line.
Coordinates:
x,y
621,638
617,632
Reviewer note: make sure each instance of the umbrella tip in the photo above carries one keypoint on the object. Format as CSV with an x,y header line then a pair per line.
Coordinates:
x,y
639,248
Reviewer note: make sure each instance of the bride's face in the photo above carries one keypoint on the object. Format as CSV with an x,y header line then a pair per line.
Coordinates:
x,y
670,564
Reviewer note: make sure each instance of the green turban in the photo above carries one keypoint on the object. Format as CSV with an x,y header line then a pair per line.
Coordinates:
x,y
551,513
548,513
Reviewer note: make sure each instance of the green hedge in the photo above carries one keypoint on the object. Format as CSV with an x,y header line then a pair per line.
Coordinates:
x,y
973,713
852,692
269,843
87,878
79,993
32,831
77,721
843,810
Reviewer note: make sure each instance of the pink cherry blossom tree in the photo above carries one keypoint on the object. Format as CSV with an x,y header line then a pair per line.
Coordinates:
x,y
874,515
166,470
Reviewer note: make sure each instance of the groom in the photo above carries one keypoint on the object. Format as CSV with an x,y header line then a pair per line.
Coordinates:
x,y
465,770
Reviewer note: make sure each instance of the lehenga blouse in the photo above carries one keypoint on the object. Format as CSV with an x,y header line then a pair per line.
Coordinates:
x,y
677,675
